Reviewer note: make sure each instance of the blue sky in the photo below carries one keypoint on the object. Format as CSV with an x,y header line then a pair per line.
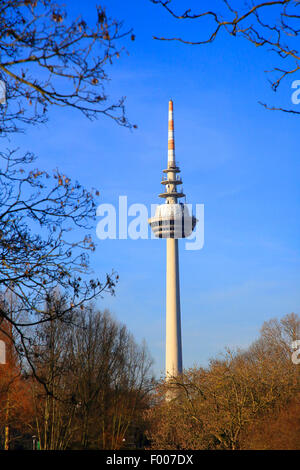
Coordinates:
x,y
238,159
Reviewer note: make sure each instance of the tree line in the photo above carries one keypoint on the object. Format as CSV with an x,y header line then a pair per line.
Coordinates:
x,y
87,385
244,399
93,389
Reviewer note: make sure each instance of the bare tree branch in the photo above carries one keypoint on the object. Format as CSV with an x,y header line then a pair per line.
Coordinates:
x,y
271,24
47,59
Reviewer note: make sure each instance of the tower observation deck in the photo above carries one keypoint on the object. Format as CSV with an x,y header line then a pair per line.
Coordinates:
x,y
172,221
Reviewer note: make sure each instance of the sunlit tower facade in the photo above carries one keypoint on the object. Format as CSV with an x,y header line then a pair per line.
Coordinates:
x,y
172,221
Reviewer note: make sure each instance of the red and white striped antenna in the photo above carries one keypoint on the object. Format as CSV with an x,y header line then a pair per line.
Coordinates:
x,y
171,141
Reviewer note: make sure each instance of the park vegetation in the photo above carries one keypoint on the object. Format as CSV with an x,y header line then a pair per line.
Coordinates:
x,y
244,399
100,393
73,376
87,385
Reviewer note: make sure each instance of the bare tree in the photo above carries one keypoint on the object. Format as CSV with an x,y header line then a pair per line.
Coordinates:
x,y
53,393
48,59
113,376
15,403
277,431
98,379
274,25
38,249
216,406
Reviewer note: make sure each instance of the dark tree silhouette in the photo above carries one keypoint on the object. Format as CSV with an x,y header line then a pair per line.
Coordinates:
x,y
39,249
47,59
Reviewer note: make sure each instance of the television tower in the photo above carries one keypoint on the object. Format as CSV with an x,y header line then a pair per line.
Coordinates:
x,y
172,221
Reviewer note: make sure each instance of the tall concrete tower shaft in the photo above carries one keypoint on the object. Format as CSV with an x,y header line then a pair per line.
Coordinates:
x,y
172,221
173,315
